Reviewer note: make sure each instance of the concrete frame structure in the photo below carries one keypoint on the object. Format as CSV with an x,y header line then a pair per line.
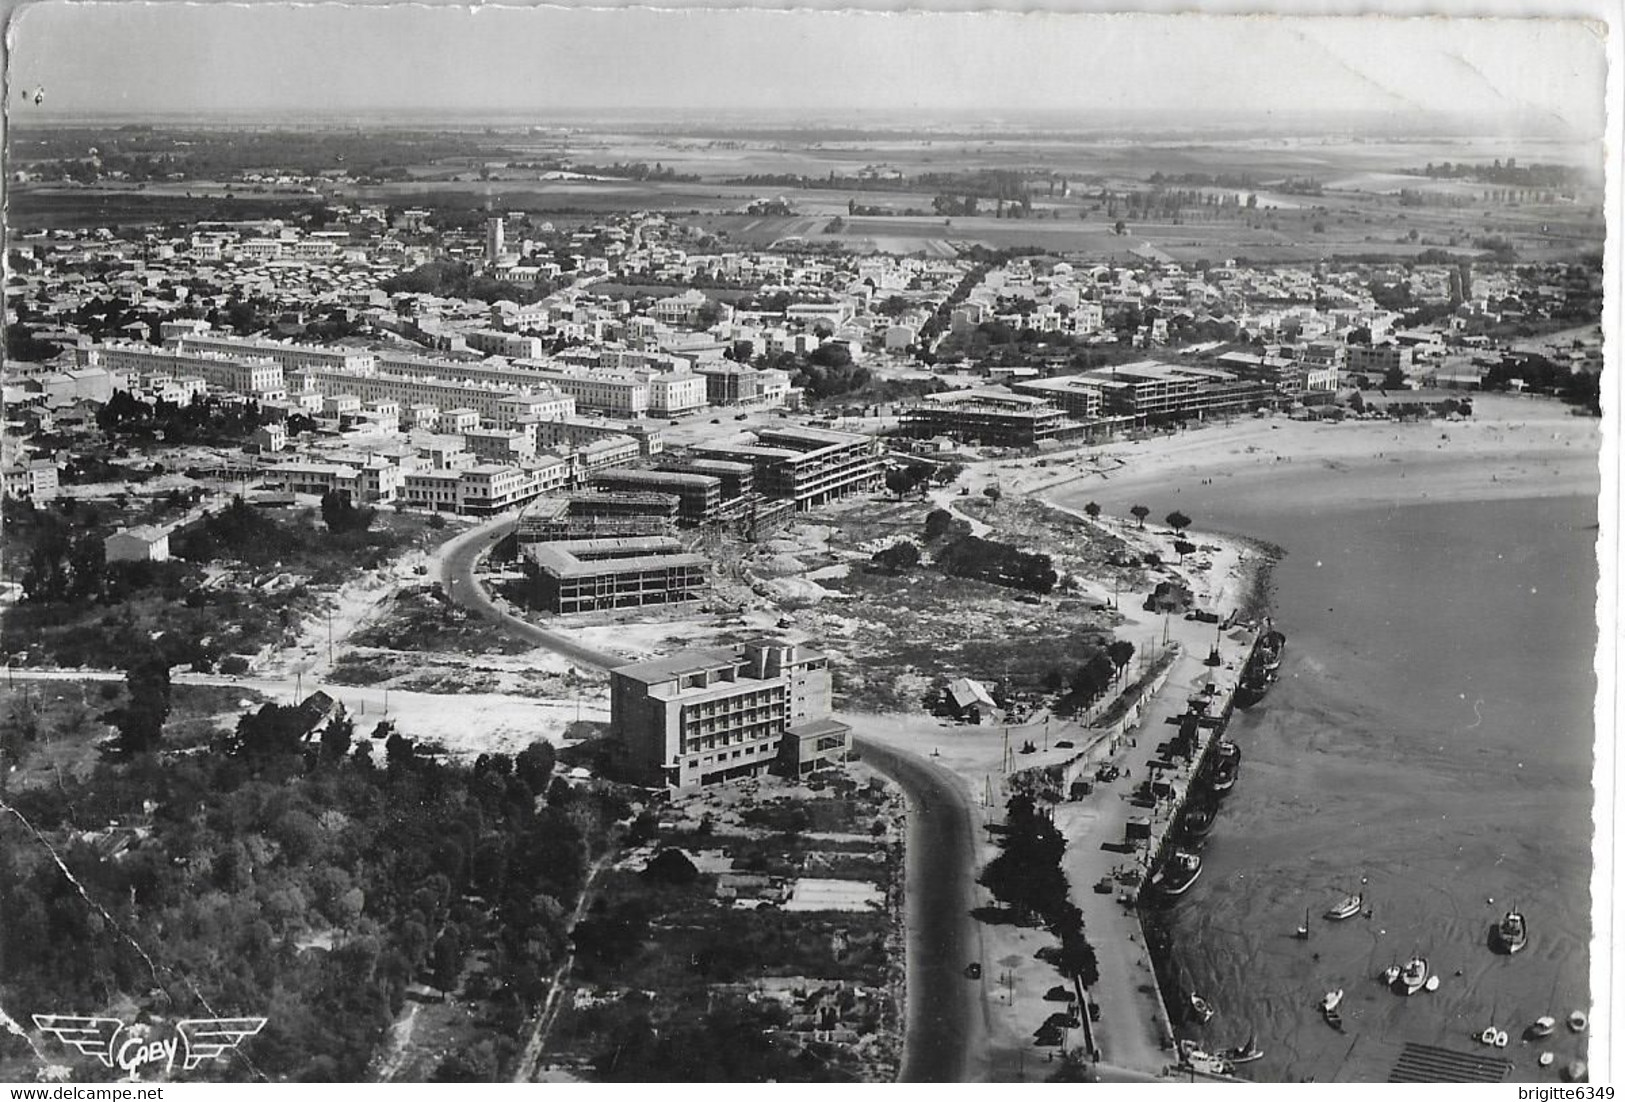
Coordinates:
x,y
809,466
699,496
590,574
991,417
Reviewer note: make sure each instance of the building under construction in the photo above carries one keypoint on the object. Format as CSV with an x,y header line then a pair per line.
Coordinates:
x,y
587,575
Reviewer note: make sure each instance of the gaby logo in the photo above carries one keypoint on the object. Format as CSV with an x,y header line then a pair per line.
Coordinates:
x,y
131,1050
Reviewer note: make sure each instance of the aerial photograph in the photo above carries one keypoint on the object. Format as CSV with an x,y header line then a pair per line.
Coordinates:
x,y
602,546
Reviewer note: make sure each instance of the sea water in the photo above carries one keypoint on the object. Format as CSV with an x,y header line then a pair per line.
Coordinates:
x,y
1429,743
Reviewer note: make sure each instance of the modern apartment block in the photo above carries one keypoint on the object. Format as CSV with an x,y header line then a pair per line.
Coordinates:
x,y
710,715
591,574
591,515
809,466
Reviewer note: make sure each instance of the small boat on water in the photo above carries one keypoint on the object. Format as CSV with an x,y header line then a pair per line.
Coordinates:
x,y
1302,932
1390,975
1201,1008
1578,1021
1545,1060
1412,977
1328,1008
1543,1026
1348,907
1512,932
1177,873
1243,1053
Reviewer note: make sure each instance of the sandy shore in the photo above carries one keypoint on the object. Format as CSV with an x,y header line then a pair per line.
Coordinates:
x,y
1511,447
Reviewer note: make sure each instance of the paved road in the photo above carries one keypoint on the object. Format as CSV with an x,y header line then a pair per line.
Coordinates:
x,y
947,1031
457,575
946,1034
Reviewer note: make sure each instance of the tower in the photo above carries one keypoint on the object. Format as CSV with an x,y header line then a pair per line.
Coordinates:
x,y
493,239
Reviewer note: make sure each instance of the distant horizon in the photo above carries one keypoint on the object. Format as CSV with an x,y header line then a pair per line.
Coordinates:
x,y
1477,77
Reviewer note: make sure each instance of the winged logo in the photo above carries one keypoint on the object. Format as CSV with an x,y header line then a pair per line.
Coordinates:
x,y
91,1036
209,1038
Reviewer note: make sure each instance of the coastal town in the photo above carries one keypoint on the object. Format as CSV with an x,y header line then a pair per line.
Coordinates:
x,y
512,639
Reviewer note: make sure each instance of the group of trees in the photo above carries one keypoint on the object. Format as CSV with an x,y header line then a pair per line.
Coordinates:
x,y
203,420
459,279
998,563
299,879
1026,877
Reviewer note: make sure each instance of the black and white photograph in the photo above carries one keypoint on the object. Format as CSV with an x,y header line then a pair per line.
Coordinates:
x,y
612,545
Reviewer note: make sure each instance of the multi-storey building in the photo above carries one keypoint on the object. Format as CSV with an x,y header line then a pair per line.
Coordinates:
x,y
699,496
289,356
494,342
993,417
670,395
1077,395
255,376
490,403
588,574
710,715
809,466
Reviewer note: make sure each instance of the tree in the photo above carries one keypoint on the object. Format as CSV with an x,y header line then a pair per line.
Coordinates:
x,y
1178,521
1140,512
671,866
899,482
904,555
534,764
1093,510
1183,548
1077,958
1120,651
141,721
340,515
337,737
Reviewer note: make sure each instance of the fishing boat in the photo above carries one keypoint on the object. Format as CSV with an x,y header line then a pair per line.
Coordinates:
x,y
1512,932
1578,1021
1201,1008
1328,1008
1226,764
1543,1026
1412,977
1243,1053
1270,650
1348,907
1176,874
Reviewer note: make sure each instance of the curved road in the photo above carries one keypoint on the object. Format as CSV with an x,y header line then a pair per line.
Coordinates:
x,y
457,575
945,1037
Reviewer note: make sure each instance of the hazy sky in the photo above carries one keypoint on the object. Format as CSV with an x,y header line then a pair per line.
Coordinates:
x,y
134,58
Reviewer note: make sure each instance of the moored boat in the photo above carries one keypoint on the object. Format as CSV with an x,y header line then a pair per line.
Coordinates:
x,y
1198,819
1578,1021
1543,1026
1226,764
1512,932
1243,1053
1177,873
1201,1008
1347,907
1412,977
